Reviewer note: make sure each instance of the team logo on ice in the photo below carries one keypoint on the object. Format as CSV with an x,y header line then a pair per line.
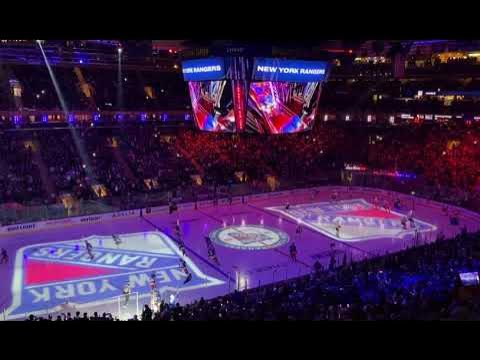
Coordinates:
x,y
249,237
358,220
52,274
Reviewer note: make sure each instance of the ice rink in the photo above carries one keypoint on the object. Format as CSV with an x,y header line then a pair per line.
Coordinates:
x,y
49,270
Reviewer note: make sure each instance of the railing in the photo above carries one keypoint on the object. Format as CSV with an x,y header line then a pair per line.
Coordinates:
x,y
43,117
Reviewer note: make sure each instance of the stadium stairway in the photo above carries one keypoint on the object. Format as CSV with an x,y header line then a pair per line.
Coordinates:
x,y
123,163
47,182
86,88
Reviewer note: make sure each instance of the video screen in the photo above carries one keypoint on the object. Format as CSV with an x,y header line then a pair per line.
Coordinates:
x,y
212,105
282,107
469,279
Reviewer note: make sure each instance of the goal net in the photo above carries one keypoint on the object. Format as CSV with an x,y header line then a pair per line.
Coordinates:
x,y
128,306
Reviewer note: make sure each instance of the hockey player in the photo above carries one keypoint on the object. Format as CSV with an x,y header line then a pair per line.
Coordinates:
x,y
335,196
212,255
116,239
188,278
410,219
298,231
183,266
375,202
89,249
208,241
153,282
172,207
337,229
181,246
386,206
126,292
3,256
293,251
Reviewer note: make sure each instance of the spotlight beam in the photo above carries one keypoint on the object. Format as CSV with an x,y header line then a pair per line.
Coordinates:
x,y
119,81
78,144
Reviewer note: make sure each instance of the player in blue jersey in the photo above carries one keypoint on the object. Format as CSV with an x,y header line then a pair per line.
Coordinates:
x,y
89,249
293,251
386,206
337,229
3,256
183,266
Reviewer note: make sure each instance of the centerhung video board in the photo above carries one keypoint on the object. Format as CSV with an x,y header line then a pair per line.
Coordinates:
x,y
275,96
283,95
210,94
212,105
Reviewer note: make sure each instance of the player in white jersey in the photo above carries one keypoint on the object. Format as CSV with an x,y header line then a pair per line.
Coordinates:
x,y
184,268
153,292
116,239
386,206
298,231
153,281
212,255
410,218
126,292
337,229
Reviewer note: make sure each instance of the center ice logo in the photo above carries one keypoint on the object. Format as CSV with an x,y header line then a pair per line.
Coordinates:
x,y
359,220
249,237
51,274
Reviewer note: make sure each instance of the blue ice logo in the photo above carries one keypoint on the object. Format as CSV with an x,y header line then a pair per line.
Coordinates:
x,y
358,220
52,274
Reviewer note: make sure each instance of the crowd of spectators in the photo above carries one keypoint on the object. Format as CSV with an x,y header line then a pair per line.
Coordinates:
x,y
40,165
419,283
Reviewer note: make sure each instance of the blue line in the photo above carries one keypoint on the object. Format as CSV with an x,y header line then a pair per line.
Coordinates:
x,y
193,252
